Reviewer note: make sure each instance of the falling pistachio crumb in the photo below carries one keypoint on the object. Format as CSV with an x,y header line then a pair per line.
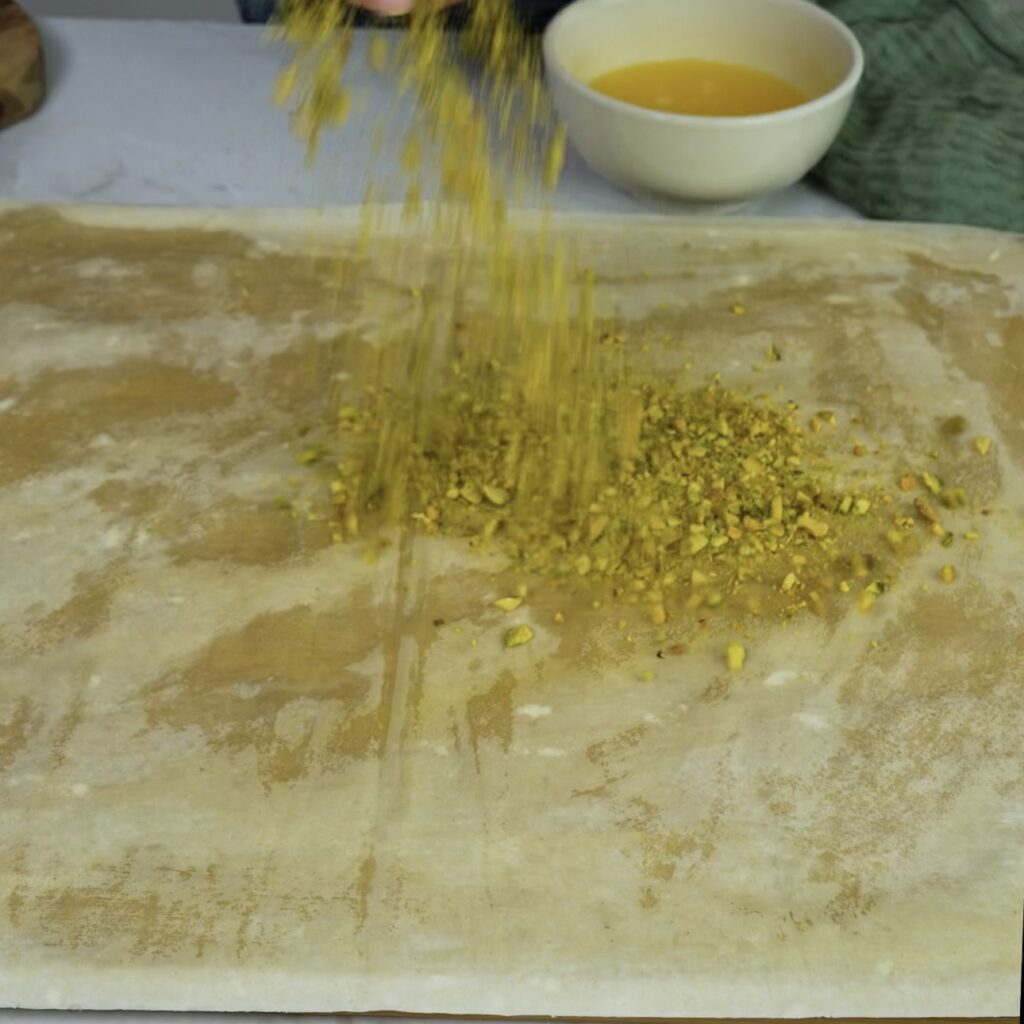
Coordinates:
x,y
815,527
518,635
496,495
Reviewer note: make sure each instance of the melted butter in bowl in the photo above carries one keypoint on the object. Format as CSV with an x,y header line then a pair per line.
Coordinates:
x,y
705,88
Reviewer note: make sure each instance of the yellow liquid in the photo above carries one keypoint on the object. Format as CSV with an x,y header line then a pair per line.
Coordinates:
x,y
709,88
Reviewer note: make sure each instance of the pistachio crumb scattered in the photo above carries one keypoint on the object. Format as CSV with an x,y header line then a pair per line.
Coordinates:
x,y
947,574
735,656
508,604
983,444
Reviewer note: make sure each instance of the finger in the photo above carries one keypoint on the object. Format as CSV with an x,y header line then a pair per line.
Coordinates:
x,y
391,8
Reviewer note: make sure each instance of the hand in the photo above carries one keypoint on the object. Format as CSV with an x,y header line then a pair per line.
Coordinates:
x,y
393,8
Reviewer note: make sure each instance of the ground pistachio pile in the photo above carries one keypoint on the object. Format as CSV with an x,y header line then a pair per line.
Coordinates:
x,y
685,498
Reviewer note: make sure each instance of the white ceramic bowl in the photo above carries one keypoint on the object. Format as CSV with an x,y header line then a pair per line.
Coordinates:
x,y
704,160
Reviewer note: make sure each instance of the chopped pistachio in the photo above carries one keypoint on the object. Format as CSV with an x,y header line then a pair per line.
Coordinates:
x,y
953,497
508,604
518,635
471,493
815,527
735,656
932,482
947,574
982,444
925,510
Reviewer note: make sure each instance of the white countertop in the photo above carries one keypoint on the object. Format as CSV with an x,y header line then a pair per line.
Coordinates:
x,y
178,113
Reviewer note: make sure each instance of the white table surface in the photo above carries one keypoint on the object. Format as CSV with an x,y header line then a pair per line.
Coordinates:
x,y
178,113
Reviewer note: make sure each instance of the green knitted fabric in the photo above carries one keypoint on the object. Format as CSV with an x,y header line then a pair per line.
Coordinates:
x,y
936,132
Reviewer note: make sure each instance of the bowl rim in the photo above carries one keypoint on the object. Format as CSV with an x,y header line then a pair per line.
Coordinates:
x,y
837,92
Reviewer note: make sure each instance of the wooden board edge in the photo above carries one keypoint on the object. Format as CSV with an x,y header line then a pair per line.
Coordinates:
x,y
22,68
